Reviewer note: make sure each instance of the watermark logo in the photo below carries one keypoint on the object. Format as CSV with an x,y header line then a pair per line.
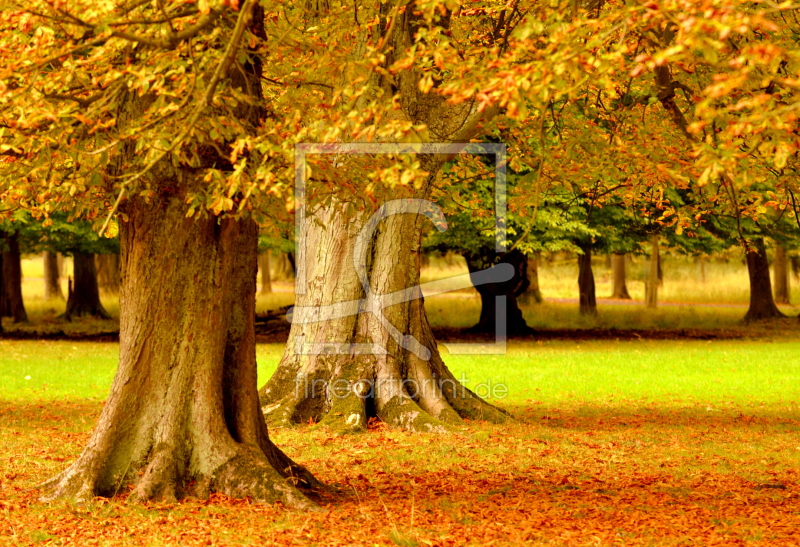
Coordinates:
x,y
425,389
375,303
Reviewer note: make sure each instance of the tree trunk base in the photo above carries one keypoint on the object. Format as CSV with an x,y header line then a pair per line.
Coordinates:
x,y
183,418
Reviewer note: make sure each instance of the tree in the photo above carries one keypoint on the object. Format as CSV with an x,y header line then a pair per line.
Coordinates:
x,y
52,276
12,304
780,267
618,268
74,237
83,295
154,136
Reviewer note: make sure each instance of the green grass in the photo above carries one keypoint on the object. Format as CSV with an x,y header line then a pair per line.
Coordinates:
x,y
547,373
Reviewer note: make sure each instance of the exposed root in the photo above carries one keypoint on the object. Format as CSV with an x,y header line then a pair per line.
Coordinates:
x,y
282,413
404,412
249,474
74,483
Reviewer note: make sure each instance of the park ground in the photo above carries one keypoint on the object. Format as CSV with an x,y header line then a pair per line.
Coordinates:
x,y
686,439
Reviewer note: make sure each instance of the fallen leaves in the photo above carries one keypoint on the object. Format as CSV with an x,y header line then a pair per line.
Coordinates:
x,y
588,476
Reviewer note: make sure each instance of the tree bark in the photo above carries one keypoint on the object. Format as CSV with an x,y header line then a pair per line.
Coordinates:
x,y
340,368
795,260
52,278
13,306
107,272
762,304
586,285
511,290
620,287
533,294
780,267
263,266
83,294
183,415
651,289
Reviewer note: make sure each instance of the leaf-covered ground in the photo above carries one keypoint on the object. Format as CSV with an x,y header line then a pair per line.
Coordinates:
x,y
627,473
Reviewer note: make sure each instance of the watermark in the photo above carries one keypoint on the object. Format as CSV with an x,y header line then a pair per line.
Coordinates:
x,y
311,388
375,303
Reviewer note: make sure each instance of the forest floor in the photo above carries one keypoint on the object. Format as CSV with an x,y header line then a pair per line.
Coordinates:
x,y
575,475
617,442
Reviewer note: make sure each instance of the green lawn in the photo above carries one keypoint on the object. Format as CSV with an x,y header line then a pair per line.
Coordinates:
x,y
603,372
636,443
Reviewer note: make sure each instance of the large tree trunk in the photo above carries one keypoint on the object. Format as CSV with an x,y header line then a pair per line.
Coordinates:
x,y
83,295
653,277
511,290
52,277
586,285
13,305
782,280
620,287
107,272
183,414
341,366
533,294
263,266
762,304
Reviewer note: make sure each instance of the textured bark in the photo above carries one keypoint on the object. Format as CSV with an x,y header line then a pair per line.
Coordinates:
x,y
533,294
762,304
586,285
263,267
653,280
344,389
83,295
618,267
107,272
52,277
13,305
183,415
780,267
511,290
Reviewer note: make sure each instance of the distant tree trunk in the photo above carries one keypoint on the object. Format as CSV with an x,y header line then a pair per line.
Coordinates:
x,y
620,287
586,285
534,293
263,265
651,290
780,268
608,261
796,267
52,279
512,289
83,297
701,269
762,304
14,307
284,268
107,272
